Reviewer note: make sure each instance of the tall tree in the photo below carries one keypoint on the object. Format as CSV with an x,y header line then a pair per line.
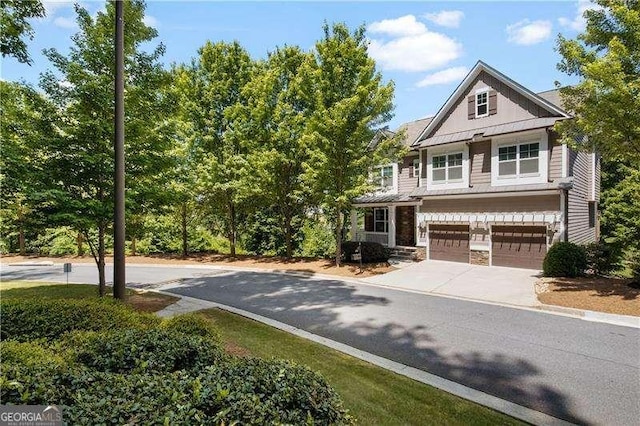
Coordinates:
x,y
211,88
273,122
81,164
27,121
606,102
349,100
14,27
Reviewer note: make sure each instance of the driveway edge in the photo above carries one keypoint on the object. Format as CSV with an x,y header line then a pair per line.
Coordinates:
x,y
191,304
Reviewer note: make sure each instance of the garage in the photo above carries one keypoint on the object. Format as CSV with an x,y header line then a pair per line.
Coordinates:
x,y
449,242
518,246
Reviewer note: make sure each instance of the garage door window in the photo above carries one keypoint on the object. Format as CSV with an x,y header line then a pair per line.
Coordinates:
x,y
381,220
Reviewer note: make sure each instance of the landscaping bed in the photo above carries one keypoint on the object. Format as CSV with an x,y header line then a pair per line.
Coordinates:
x,y
601,294
305,265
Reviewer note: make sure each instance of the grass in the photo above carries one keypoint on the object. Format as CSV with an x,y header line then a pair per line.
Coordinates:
x,y
375,396
141,301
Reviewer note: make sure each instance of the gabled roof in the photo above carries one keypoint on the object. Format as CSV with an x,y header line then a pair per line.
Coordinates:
x,y
463,86
380,133
413,129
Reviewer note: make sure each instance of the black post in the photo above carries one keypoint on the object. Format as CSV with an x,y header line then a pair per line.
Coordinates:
x,y
119,278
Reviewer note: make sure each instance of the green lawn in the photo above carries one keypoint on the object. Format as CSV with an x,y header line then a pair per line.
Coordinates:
x,y
142,301
374,395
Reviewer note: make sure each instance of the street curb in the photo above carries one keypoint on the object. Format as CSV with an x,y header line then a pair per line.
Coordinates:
x,y
594,316
506,407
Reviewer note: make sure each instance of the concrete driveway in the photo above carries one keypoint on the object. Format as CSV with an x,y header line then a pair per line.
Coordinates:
x,y
488,283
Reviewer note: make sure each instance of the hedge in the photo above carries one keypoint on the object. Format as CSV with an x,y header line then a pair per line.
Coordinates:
x,y
193,324
371,252
49,319
565,259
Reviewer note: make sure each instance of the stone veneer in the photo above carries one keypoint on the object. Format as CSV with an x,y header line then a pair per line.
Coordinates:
x,y
479,257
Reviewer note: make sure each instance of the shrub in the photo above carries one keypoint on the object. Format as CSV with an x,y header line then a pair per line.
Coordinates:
x,y
632,260
371,252
601,257
193,324
565,259
49,319
56,242
142,351
318,241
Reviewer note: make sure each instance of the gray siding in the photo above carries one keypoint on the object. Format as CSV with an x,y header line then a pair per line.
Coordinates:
x,y
555,157
580,167
511,106
406,181
533,203
480,156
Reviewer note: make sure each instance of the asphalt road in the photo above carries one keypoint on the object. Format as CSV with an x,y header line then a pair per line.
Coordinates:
x,y
580,371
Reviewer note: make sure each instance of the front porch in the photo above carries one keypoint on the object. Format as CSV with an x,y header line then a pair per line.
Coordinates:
x,y
392,226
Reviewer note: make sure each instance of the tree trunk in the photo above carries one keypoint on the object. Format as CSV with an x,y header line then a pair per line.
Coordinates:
x,y
287,237
102,283
338,234
133,245
232,229
80,244
21,242
185,236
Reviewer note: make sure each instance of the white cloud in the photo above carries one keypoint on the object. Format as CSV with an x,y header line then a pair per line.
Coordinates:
x,y
449,75
66,23
404,26
410,46
151,21
52,6
578,23
446,18
527,32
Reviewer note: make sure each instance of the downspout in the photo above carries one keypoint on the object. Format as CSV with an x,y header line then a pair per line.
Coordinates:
x,y
565,213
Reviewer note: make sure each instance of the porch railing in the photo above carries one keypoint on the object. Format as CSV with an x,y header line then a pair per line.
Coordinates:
x,y
373,237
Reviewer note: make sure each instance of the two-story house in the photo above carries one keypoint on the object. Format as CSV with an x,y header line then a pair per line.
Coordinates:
x,y
486,180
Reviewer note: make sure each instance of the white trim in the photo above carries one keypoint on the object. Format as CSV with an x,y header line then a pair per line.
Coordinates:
x,y
563,209
491,194
428,256
354,224
593,176
565,160
422,180
391,226
375,220
394,176
463,86
456,148
490,245
538,136
365,205
416,162
478,93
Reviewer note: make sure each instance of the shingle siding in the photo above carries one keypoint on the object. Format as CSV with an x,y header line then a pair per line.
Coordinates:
x,y
480,156
580,167
555,157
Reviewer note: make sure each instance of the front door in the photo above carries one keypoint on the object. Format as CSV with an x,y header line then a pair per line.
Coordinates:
x,y
406,226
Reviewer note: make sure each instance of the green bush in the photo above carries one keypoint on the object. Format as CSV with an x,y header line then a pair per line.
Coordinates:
x,y
632,261
318,241
142,351
565,259
371,252
56,242
193,324
602,258
49,319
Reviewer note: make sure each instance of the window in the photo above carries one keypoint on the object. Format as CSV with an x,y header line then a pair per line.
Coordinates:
x,y
592,214
446,168
386,177
519,159
381,219
416,167
482,104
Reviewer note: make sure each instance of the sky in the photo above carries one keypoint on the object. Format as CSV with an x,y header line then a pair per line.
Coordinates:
x,y
425,48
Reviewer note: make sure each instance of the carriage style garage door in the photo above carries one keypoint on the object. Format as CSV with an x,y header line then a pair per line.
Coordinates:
x,y
518,246
449,242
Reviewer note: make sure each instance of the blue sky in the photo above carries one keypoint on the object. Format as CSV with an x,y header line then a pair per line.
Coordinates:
x,y
424,47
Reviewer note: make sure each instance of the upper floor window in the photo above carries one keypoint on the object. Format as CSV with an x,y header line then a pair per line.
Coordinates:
x,y
519,159
416,167
385,176
482,103
446,168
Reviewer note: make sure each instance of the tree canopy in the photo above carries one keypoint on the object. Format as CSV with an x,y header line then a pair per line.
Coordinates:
x,y
15,27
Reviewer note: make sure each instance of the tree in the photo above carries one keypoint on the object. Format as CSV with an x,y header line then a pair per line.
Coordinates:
x,y
272,123
28,120
606,103
211,87
349,100
14,26
80,167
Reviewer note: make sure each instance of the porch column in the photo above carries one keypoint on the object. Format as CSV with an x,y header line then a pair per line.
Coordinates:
x,y
392,226
354,225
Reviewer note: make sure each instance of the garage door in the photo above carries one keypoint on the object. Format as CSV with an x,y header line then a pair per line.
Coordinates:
x,y
518,246
449,242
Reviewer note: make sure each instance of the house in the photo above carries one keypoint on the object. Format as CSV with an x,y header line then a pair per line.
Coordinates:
x,y
485,181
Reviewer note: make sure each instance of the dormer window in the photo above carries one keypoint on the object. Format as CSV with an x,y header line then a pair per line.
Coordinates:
x,y
482,104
